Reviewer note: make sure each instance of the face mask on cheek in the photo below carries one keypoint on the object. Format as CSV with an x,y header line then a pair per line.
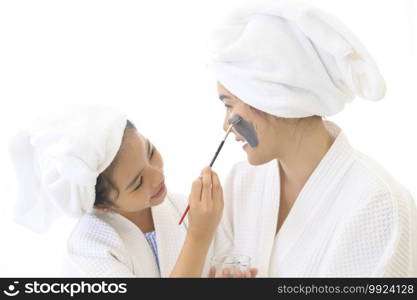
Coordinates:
x,y
246,130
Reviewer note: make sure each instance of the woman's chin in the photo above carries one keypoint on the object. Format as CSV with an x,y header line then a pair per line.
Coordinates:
x,y
256,160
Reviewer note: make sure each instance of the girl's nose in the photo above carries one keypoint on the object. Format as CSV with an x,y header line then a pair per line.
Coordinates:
x,y
157,176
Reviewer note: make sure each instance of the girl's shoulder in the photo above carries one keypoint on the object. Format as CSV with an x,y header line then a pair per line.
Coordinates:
x,y
93,235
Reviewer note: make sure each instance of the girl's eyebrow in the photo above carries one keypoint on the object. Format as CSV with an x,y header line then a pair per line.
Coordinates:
x,y
140,173
134,179
150,146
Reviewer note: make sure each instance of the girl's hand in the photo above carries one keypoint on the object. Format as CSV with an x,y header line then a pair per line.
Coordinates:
x,y
206,205
227,273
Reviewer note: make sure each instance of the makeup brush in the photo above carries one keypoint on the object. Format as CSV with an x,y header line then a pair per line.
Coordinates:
x,y
232,121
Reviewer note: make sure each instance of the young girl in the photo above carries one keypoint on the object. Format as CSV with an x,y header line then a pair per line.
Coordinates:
x,y
93,164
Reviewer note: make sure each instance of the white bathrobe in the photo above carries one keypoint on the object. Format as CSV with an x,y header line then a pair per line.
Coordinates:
x,y
351,219
105,244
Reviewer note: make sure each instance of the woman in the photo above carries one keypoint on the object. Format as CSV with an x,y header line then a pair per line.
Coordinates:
x,y
306,203
94,165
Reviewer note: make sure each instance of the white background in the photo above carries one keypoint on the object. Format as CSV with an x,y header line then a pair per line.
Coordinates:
x,y
149,58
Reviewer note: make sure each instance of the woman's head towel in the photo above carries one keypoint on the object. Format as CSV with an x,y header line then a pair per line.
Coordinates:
x,y
58,159
292,60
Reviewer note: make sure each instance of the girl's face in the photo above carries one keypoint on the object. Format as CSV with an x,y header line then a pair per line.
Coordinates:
x,y
138,175
272,132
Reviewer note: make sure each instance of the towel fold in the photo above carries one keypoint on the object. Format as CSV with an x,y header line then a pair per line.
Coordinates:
x,y
57,160
289,59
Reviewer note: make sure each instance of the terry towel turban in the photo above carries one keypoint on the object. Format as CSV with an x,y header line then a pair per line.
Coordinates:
x,y
292,60
57,162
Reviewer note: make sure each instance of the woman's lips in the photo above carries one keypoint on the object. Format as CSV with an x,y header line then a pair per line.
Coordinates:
x,y
238,138
160,192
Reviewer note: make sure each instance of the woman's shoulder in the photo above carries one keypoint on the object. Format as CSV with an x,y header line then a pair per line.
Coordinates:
x,y
377,178
385,202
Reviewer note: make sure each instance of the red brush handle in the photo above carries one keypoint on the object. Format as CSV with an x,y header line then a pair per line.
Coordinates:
x,y
184,214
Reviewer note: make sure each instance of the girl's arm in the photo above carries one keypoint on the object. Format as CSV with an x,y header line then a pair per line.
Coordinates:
x,y
206,208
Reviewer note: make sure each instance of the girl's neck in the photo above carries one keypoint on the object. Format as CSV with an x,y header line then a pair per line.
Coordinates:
x,y
142,219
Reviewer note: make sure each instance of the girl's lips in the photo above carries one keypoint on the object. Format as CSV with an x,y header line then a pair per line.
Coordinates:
x,y
160,192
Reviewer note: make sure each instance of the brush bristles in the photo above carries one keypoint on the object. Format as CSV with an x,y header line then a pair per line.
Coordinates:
x,y
234,120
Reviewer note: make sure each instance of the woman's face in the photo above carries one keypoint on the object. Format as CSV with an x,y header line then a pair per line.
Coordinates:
x,y
138,175
273,133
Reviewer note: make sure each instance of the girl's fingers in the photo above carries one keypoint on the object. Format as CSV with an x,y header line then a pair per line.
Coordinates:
x,y
212,272
195,196
226,272
238,274
253,272
217,190
207,186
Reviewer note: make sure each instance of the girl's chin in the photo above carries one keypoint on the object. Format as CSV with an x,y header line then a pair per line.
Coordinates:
x,y
159,200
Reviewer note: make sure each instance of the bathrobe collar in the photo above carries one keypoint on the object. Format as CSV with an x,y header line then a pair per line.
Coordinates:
x,y
311,197
169,239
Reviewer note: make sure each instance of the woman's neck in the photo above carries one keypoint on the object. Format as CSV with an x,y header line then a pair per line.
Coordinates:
x,y
303,156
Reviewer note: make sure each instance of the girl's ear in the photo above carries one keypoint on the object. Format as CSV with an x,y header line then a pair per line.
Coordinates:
x,y
113,195
103,209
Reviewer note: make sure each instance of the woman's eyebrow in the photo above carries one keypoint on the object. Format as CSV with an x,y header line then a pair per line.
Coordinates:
x,y
140,173
223,96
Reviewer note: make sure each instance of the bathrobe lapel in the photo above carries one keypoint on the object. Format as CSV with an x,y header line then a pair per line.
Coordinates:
x,y
143,263
170,238
169,235
309,222
269,213
254,214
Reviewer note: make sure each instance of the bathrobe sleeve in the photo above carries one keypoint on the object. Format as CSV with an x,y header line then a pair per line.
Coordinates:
x,y
99,252
375,241
99,267
223,242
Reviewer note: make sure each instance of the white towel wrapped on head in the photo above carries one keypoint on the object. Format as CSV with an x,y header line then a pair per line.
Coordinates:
x,y
289,59
58,159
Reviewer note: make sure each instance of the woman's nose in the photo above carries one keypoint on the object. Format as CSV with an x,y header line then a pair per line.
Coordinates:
x,y
226,122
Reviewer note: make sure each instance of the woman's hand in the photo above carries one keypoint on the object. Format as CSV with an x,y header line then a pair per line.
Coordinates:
x,y
227,273
206,205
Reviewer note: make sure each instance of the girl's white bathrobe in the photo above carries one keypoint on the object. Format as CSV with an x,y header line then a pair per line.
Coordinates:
x,y
351,219
106,244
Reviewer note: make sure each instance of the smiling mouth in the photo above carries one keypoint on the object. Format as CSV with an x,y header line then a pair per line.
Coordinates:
x,y
160,192
240,139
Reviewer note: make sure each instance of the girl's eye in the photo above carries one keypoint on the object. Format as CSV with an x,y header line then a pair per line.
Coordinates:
x,y
152,152
227,106
139,185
